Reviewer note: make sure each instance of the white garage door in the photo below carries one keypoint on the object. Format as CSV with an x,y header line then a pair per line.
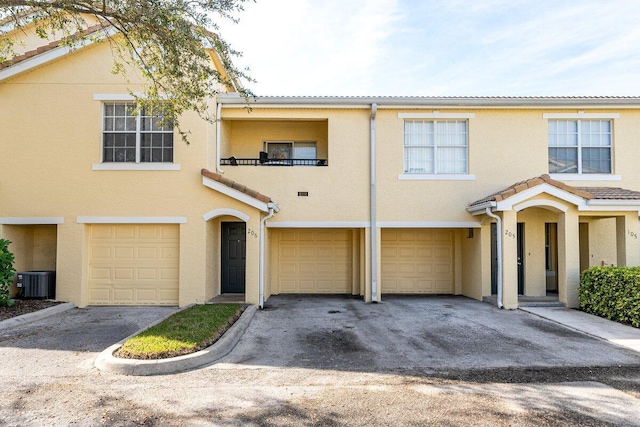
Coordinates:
x,y
315,261
134,264
417,261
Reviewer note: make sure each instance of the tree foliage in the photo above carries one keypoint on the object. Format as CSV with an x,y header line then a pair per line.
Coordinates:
x,y
7,273
612,293
165,41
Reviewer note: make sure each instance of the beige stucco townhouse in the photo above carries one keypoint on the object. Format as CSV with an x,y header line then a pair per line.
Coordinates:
x,y
364,196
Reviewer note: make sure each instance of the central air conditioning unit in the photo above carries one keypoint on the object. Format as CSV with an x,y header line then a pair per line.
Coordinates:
x,y
37,284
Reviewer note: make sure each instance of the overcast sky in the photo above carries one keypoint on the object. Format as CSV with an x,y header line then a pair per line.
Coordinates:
x,y
440,48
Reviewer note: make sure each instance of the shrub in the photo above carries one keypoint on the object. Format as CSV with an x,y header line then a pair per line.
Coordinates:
x,y
7,272
612,293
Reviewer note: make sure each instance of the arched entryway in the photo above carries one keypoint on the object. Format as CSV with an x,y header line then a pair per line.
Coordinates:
x,y
227,252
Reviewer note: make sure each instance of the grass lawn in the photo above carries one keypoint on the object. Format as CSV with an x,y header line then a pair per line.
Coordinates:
x,y
184,332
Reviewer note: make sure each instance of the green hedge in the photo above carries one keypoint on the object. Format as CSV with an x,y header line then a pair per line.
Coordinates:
x,y
612,293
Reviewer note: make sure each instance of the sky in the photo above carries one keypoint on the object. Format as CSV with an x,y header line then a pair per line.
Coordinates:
x,y
439,47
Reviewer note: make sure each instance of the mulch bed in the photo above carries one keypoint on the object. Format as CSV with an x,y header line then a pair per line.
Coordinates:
x,y
24,306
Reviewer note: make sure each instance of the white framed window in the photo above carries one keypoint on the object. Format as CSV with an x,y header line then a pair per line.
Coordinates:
x,y
128,137
435,147
580,146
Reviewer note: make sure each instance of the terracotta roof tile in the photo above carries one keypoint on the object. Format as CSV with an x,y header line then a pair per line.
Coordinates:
x,y
235,185
587,193
611,193
46,48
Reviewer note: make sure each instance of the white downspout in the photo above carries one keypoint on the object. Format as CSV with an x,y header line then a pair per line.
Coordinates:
x,y
374,223
273,209
218,121
499,250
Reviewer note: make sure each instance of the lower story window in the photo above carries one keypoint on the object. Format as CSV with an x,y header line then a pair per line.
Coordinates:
x,y
131,137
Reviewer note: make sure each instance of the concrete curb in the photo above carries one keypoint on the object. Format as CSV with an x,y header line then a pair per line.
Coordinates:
x,y
36,315
108,363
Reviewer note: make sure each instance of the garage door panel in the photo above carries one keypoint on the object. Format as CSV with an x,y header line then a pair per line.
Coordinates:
x,y
100,252
315,261
99,273
387,252
123,273
389,268
423,268
288,286
407,268
146,296
123,295
125,232
124,252
100,295
425,252
168,295
147,274
134,264
417,261
148,253
405,253
426,236
306,252
169,274
169,232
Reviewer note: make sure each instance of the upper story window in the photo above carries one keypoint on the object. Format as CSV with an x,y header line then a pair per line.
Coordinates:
x,y
435,146
135,138
580,146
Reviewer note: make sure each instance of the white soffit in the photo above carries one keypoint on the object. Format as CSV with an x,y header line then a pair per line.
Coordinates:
x,y
235,194
131,220
17,220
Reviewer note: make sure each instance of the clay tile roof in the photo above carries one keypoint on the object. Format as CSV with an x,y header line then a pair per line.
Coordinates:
x,y
611,193
45,48
521,186
236,186
587,193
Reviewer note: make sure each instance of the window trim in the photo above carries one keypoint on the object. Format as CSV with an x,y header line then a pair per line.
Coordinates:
x,y
130,166
579,118
436,177
126,166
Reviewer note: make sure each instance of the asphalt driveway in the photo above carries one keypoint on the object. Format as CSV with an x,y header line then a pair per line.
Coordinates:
x,y
413,332
332,361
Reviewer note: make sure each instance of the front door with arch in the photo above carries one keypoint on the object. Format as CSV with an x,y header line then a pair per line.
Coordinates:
x,y
233,257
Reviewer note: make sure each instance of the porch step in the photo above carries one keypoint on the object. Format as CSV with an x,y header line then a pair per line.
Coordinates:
x,y
227,298
524,301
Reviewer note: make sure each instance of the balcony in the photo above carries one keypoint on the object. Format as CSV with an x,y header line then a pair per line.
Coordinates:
x,y
274,142
265,161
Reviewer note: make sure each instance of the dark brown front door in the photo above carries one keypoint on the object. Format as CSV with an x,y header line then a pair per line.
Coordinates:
x,y
233,257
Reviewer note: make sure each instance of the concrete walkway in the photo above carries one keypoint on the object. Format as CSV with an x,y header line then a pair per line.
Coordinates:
x,y
626,336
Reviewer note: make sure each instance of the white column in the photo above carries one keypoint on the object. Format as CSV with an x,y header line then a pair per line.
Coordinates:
x,y
509,260
628,251
568,258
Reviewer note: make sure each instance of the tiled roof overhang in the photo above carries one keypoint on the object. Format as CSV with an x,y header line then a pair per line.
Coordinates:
x,y
46,53
585,198
233,189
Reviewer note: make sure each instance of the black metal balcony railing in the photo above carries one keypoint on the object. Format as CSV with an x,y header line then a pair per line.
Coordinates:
x,y
234,161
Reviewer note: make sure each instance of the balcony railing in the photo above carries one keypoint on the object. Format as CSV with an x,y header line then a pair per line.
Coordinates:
x,y
235,161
